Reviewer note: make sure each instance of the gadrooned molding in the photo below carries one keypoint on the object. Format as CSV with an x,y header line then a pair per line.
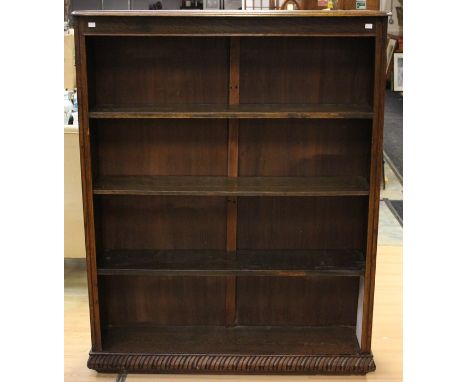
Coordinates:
x,y
231,364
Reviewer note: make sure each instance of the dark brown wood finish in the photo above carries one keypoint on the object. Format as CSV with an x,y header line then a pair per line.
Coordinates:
x,y
374,196
184,24
159,147
220,263
231,187
163,300
323,301
162,222
233,164
86,181
250,111
230,167
302,223
261,340
350,364
300,70
304,148
152,71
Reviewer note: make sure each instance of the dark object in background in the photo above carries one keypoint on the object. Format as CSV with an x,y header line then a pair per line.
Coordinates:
x,y
192,4
155,6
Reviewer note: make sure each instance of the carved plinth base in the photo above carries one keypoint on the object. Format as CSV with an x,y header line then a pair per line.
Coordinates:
x,y
231,364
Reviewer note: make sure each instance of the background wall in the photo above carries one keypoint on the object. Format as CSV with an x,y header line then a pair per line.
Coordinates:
x,y
74,243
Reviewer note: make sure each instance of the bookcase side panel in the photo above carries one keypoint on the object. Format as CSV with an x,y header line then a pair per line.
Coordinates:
x,y
374,185
82,65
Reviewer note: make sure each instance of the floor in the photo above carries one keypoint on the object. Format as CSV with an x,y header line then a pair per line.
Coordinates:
x,y
393,130
387,331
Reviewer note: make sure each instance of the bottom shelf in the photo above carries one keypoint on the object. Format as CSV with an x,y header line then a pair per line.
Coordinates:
x,y
265,340
236,350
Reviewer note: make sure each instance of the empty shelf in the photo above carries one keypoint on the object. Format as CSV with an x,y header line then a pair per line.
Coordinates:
x,y
268,340
242,263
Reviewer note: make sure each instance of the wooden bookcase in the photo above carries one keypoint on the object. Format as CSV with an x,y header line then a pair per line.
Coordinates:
x,y
231,172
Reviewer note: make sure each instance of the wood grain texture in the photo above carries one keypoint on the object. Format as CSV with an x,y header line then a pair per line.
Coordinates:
x,y
86,182
300,25
161,147
304,148
150,71
337,340
387,344
272,70
375,178
233,170
231,186
302,223
358,364
165,222
258,111
320,301
218,263
159,115
162,300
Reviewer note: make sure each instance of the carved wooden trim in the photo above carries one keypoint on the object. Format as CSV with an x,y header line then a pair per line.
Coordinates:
x,y
233,364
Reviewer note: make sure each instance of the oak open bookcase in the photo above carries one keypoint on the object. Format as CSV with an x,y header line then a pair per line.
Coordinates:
x,y
230,166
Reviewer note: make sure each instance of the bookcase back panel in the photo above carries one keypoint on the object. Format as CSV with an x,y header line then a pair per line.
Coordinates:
x,y
150,300
318,70
315,301
158,70
160,147
304,147
162,222
302,223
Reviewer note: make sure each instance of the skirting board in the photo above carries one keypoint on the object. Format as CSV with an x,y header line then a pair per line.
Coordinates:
x,y
358,364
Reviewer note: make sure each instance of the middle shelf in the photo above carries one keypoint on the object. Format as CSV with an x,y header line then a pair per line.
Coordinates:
x,y
231,186
240,263
242,111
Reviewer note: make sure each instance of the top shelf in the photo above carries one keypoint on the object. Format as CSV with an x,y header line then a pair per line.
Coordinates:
x,y
236,13
310,111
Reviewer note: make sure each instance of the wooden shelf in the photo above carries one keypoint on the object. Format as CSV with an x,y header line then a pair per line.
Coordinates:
x,y
231,186
221,263
322,111
268,340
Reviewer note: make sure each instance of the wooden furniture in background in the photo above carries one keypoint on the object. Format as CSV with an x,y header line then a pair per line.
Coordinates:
x,y
231,169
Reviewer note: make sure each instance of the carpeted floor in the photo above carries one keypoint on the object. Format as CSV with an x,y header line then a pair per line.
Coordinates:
x,y
393,132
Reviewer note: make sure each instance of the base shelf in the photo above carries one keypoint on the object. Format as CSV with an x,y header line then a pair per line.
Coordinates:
x,y
222,263
234,350
268,340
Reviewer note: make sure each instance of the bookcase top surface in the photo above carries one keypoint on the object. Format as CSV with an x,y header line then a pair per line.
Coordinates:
x,y
235,13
